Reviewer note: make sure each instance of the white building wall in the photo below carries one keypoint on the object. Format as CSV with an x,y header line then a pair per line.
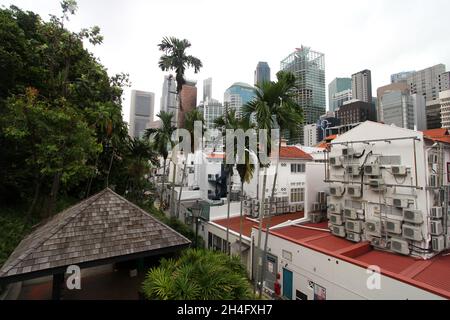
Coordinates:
x,y
315,183
341,279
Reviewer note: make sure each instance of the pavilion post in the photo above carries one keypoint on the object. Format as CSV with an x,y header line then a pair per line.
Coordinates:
x,y
58,281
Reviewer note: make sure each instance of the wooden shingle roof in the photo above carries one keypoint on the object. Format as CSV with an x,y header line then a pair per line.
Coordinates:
x,y
101,227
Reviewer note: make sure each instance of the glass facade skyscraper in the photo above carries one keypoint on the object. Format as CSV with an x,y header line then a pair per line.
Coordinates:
x,y
238,95
339,91
308,66
262,73
141,112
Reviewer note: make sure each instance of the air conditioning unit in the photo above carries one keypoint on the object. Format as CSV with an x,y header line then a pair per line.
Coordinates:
x,y
354,237
273,209
353,226
433,181
338,231
437,212
373,227
354,191
350,213
400,246
372,170
315,217
413,216
438,243
399,170
348,152
334,208
316,206
377,184
400,203
393,226
293,208
336,219
335,162
412,232
336,191
247,203
255,202
436,228
247,212
353,170
378,243
300,207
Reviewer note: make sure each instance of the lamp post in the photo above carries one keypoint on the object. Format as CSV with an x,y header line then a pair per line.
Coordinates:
x,y
196,211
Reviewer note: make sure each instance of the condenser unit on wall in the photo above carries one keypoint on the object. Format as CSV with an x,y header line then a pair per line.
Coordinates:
x,y
400,203
399,170
436,228
315,217
336,219
354,237
350,213
353,169
334,208
412,232
438,243
393,226
336,162
338,231
436,212
316,206
413,216
300,207
400,246
373,227
336,191
354,191
378,243
353,226
372,170
348,152
377,184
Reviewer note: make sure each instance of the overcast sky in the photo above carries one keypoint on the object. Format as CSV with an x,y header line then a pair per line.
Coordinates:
x,y
230,37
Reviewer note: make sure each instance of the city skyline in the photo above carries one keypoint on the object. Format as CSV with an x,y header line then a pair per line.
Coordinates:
x,y
124,49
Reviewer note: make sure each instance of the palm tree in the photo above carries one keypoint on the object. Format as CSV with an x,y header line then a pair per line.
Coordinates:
x,y
191,118
274,107
198,275
162,140
230,120
175,58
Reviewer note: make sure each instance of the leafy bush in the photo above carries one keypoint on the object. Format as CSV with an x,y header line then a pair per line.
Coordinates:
x,y
198,275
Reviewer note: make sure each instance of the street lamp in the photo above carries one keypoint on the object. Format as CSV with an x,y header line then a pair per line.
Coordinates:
x,y
196,211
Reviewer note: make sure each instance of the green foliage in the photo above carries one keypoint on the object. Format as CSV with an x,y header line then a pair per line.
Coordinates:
x,y
198,275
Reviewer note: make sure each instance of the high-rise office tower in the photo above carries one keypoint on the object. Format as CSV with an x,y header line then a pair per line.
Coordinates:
x,y
188,100
169,100
262,73
141,112
401,76
238,95
211,110
397,106
308,66
444,98
339,91
207,89
362,86
426,82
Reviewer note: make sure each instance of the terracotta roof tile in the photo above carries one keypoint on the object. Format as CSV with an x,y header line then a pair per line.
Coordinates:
x,y
294,153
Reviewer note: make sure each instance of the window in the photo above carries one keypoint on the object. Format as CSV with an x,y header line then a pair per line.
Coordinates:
x,y
297,195
298,168
216,243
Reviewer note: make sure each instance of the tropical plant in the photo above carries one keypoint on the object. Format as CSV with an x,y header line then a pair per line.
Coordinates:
x,y
162,141
198,275
230,121
274,108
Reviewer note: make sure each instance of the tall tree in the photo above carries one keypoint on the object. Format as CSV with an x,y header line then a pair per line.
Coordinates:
x,y
274,108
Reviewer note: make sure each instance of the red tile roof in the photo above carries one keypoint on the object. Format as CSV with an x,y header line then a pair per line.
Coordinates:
x,y
294,153
248,224
432,275
437,135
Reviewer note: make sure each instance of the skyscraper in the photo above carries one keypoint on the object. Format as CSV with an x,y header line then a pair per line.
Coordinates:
x,y
169,101
339,91
401,76
141,112
308,66
188,100
207,89
397,106
362,86
426,82
444,98
262,73
211,110
238,95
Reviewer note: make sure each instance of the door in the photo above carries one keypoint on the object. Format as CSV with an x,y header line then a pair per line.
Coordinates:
x,y
287,284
